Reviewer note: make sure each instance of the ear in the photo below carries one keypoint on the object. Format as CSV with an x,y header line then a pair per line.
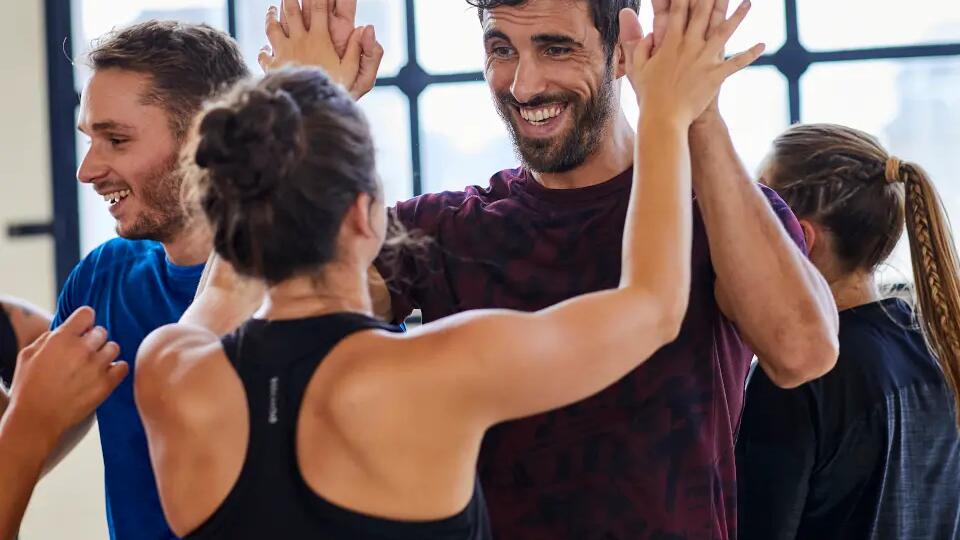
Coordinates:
x,y
619,61
809,234
358,216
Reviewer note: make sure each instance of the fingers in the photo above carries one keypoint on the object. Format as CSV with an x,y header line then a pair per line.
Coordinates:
x,y
275,32
79,322
717,16
661,16
320,13
115,374
350,63
293,17
307,14
677,24
107,354
369,63
700,18
727,29
631,38
265,59
95,339
742,60
630,29
346,9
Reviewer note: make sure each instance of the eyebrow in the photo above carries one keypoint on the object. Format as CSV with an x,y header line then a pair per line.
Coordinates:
x,y
495,34
106,126
555,39
542,39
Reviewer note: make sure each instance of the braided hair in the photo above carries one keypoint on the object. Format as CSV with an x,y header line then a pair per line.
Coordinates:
x,y
846,181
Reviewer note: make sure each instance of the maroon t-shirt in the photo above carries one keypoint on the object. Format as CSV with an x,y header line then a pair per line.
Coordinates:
x,y
651,457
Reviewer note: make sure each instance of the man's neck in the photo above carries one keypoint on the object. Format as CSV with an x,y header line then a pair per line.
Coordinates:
x,y
612,157
189,247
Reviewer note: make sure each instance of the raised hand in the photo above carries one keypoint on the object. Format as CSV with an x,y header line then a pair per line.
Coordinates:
x,y
341,17
313,44
661,14
64,375
686,73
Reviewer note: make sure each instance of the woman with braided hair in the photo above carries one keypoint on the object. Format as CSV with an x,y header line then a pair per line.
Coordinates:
x,y
872,449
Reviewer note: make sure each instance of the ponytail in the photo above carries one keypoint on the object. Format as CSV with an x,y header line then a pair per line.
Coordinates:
x,y
936,272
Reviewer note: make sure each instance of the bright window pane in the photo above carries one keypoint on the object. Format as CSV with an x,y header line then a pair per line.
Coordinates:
x,y
755,106
388,112
93,18
852,24
386,16
464,140
913,107
449,36
764,24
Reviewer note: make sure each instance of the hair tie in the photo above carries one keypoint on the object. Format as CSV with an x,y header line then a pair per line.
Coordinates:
x,y
893,170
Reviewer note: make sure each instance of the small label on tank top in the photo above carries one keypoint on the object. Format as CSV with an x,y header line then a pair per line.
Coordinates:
x,y
274,388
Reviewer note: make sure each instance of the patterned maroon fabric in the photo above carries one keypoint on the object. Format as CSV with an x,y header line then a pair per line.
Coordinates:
x,y
651,457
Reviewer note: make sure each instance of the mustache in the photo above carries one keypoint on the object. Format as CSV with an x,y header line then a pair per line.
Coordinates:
x,y
506,98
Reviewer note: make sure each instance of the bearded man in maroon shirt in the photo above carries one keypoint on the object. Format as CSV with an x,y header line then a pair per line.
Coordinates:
x,y
652,457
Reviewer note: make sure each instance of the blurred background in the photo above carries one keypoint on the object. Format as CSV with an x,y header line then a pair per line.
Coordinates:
x,y
889,67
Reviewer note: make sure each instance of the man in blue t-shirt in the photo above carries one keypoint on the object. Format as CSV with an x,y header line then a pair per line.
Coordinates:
x,y
149,81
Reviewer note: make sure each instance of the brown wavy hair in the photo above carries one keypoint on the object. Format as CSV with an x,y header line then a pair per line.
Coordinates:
x,y
845,180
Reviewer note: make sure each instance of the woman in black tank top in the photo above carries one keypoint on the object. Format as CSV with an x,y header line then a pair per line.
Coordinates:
x,y
313,419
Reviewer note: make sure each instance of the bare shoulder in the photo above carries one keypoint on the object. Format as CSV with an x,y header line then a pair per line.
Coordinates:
x,y
178,369
28,321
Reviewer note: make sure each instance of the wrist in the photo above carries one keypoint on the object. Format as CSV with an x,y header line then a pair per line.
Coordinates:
x,y
33,435
710,119
660,119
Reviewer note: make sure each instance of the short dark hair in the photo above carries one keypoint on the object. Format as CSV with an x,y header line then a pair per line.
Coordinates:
x,y
279,163
606,15
187,64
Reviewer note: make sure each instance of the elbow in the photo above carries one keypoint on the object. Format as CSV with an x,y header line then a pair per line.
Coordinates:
x,y
673,311
802,360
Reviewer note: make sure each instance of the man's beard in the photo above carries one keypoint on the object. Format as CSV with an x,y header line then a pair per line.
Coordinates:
x,y
163,217
568,151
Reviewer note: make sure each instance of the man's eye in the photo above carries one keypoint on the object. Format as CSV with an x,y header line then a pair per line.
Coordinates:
x,y
501,52
558,51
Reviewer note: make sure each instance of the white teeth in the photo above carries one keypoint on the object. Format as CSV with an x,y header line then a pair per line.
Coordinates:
x,y
117,196
537,116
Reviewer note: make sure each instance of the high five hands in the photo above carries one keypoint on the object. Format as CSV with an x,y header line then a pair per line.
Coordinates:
x,y
678,69
323,34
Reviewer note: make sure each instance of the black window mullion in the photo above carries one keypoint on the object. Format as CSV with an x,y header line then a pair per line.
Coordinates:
x,y
62,99
232,18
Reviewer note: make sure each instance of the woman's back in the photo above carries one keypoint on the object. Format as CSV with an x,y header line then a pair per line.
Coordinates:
x,y
276,362
871,450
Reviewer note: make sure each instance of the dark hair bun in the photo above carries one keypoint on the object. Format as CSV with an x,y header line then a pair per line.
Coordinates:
x,y
249,147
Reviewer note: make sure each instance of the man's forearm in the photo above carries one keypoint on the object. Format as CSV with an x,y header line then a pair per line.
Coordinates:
x,y
23,451
779,300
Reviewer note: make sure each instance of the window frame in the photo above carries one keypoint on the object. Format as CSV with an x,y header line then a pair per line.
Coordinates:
x,y
792,60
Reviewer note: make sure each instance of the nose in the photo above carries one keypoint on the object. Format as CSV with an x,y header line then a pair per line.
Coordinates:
x,y
92,168
528,81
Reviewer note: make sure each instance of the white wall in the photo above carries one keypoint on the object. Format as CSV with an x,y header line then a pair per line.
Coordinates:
x,y
69,502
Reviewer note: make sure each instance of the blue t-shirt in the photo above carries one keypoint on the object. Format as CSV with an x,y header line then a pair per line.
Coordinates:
x,y
134,290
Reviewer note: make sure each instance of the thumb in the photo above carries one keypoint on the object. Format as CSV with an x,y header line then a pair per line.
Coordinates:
x,y
369,64
350,63
630,29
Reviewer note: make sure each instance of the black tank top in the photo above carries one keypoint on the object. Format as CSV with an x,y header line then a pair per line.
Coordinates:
x,y
8,348
276,360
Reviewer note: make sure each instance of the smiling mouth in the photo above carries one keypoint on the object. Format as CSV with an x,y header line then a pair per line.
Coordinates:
x,y
117,196
539,116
